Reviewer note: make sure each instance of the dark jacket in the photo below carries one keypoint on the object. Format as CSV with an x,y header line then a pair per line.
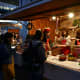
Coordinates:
x,y
35,50
4,54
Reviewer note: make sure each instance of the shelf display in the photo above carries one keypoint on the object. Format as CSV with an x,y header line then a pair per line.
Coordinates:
x,y
71,57
67,44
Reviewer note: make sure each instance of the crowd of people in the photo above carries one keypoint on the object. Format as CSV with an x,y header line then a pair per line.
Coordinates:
x,y
33,56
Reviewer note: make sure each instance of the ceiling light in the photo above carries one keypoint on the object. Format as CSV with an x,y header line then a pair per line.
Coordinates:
x,y
71,15
54,17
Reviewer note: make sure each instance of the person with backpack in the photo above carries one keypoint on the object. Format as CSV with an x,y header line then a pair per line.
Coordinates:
x,y
34,58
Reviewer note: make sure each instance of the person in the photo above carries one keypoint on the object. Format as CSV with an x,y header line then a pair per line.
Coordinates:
x,y
7,56
18,38
34,58
1,58
65,40
46,40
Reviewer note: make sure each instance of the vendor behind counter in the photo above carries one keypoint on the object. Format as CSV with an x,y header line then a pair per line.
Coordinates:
x,y
62,38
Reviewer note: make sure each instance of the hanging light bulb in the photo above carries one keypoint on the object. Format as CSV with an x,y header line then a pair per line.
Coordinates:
x,y
71,15
54,17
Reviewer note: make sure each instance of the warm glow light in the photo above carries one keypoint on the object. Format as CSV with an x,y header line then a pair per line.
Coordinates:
x,y
8,21
54,17
13,47
7,8
12,8
19,24
71,15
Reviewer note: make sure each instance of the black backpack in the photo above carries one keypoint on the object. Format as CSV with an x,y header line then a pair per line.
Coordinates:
x,y
34,54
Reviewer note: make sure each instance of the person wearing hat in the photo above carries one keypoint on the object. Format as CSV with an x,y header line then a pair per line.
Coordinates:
x,y
46,39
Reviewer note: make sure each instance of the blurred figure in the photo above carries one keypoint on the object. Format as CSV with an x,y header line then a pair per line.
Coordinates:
x,y
7,56
1,57
65,40
34,58
46,40
18,38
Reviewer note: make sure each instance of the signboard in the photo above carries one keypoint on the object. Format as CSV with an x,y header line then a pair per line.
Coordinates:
x,y
13,30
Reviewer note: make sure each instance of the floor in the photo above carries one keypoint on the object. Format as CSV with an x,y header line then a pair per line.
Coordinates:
x,y
53,72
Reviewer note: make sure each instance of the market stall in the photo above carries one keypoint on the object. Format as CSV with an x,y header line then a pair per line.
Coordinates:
x,y
66,45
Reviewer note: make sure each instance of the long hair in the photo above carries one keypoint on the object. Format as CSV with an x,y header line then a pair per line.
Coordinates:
x,y
7,38
45,37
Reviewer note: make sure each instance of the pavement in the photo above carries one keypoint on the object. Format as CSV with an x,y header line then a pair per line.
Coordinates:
x,y
53,72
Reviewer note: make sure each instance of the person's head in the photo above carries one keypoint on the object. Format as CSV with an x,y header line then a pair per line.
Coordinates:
x,y
64,33
8,38
38,35
17,35
46,34
1,38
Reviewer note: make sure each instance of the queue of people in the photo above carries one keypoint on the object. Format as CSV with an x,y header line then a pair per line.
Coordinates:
x,y
34,56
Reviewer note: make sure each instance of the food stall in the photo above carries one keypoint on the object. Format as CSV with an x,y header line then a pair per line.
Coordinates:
x,y
66,47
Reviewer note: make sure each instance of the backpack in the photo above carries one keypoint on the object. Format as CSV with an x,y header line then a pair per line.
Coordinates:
x,y
34,54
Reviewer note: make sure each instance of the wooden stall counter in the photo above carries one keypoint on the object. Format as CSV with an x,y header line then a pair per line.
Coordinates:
x,y
72,65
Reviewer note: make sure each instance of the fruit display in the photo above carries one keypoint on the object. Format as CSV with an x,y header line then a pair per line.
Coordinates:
x,y
71,57
62,57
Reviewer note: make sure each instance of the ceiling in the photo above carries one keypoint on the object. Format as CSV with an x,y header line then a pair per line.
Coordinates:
x,y
55,7
15,2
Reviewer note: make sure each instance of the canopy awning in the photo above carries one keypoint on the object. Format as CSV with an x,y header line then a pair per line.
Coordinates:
x,y
55,7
